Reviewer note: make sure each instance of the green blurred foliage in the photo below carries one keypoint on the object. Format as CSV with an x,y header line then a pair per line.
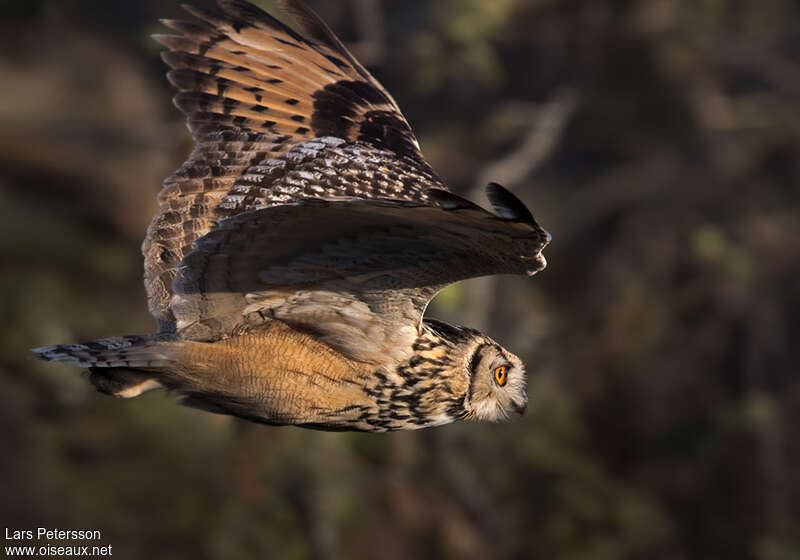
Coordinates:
x,y
656,139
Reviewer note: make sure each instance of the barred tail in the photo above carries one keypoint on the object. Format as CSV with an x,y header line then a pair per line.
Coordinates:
x,y
123,366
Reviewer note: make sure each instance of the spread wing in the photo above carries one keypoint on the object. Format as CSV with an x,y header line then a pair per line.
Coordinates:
x,y
358,273
256,94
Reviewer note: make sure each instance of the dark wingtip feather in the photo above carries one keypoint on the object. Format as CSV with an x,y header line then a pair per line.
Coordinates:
x,y
209,15
243,10
245,13
188,28
310,23
508,206
317,30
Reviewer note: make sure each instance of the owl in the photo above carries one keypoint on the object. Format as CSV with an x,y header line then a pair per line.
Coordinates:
x,y
293,254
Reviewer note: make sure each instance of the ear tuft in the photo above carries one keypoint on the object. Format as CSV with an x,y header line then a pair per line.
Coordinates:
x,y
508,206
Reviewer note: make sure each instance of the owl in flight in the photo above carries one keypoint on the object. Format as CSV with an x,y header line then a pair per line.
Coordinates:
x,y
293,254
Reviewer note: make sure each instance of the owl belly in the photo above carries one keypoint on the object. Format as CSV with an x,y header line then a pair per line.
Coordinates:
x,y
275,375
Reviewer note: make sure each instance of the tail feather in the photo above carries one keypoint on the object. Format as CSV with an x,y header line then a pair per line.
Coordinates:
x,y
116,364
133,351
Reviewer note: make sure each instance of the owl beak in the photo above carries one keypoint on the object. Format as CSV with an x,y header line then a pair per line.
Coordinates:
x,y
520,408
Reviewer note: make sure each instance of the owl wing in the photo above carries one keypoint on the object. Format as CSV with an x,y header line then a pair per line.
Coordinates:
x,y
253,90
357,273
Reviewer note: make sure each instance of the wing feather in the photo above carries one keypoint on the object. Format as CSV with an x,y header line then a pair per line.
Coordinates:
x,y
252,90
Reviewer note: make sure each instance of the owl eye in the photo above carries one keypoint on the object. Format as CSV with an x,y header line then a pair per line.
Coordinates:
x,y
501,375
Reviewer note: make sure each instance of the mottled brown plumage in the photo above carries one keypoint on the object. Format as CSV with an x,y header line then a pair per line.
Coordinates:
x,y
293,254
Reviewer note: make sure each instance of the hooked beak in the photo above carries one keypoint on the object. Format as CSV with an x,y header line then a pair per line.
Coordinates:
x,y
520,408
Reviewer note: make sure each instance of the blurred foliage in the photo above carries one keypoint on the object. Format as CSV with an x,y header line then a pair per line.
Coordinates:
x,y
656,139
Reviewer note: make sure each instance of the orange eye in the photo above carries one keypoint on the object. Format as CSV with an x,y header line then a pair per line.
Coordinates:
x,y
501,375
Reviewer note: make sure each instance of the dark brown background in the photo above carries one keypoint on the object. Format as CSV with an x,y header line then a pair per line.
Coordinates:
x,y
656,139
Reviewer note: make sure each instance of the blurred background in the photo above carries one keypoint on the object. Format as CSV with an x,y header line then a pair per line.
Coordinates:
x,y
657,140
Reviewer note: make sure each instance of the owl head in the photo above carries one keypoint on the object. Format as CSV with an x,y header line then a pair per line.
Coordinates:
x,y
497,383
